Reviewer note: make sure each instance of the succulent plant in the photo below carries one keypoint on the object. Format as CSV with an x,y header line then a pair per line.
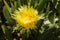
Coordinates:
x,y
32,19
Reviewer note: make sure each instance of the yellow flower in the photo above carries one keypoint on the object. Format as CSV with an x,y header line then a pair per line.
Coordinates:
x,y
26,17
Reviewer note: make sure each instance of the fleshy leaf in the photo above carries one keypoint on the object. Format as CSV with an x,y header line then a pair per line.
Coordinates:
x,y
7,32
51,17
41,5
7,16
7,6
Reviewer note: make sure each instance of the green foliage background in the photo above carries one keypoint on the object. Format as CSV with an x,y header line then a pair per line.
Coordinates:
x,y
49,31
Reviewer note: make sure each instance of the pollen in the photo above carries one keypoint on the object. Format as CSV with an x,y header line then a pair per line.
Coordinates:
x,y
26,17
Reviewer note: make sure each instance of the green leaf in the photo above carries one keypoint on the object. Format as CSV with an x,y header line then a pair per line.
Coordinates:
x,y
18,3
7,15
34,3
7,6
15,4
59,16
7,32
51,17
24,36
48,34
23,2
39,24
41,5
54,2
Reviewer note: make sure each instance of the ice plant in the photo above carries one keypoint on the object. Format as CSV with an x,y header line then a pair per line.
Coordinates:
x,y
26,17
25,21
